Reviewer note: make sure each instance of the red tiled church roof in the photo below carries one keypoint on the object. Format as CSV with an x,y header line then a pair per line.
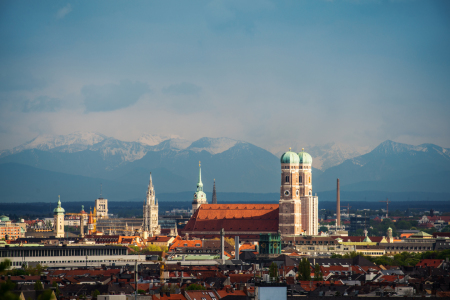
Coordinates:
x,y
234,217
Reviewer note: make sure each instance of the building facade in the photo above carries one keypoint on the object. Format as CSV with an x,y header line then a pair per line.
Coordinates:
x,y
9,230
150,216
58,217
298,207
101,206
199,195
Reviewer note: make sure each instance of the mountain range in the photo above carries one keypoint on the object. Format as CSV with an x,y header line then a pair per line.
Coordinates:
x,y
75,165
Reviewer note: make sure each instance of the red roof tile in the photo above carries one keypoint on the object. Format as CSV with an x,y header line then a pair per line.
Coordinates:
x,y
434,263
234,217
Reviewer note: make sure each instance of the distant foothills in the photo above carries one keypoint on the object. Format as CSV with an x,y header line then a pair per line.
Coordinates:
x,y
74,166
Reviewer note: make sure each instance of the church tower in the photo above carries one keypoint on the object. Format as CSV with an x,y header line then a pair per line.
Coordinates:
x,y
150,214
290,205
58,215
309,203
199,196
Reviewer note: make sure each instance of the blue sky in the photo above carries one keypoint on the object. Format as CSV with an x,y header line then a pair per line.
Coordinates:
x,y
274,73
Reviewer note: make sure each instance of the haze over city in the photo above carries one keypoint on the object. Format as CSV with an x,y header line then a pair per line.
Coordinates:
x,y
275,74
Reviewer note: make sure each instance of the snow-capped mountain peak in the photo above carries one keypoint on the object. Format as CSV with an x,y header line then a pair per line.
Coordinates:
x,y
155,139
212,145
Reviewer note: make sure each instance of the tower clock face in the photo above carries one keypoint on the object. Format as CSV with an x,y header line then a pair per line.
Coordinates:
x,y
286,193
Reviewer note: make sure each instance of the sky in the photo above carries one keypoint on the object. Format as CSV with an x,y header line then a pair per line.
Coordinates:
x,y
272,73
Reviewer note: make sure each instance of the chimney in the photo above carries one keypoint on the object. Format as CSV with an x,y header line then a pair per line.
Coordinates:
x,y
236,247
222,243
338,205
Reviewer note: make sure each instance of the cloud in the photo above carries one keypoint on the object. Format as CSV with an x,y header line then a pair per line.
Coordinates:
x,y
111,97
64,11
184,88
42,104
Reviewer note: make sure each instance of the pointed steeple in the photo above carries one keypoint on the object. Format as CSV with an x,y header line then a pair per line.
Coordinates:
x,y
214,196
199,184
150,192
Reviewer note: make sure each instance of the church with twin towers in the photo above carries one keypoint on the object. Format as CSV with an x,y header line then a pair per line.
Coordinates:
x,y
295,214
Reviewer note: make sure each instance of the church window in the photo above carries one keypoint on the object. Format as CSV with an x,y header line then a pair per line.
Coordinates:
x,y
287,178
301,179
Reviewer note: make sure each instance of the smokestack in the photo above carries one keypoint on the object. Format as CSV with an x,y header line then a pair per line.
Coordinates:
x,y
222,243
338,205
236,247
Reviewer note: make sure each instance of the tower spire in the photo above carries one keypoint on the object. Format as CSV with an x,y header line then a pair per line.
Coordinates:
x,y
199,184
150,192
214,196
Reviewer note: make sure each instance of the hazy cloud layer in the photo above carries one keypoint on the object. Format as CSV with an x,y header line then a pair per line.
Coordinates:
x,y
112,96
42,104
181,89
275,73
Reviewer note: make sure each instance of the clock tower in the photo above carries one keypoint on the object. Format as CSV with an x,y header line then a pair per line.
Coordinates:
x,y
290,204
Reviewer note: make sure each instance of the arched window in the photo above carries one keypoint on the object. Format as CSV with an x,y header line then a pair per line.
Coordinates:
x,y
287,178
310,179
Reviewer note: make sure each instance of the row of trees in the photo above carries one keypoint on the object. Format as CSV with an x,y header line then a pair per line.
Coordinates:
x,y
401,259
149,248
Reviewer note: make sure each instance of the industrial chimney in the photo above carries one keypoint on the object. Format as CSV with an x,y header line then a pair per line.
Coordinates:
x,y
338,205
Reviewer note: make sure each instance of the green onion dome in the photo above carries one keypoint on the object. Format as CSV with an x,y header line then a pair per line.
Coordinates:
x,y
305,158
289,158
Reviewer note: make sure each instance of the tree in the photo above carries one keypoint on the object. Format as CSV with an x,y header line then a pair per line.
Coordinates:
x,y
5,265
5,290
195,287
304,270
141,292
273,270
38,285
164,249
46,295
95,293
153,248
323,229
230,241
318,276
55,285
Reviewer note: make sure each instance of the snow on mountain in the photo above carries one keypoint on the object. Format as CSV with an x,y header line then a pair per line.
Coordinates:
x,y
77,141
333,154
172,144
155,139
212,145
329,155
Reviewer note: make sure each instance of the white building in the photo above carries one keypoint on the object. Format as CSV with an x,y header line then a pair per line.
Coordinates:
x,y
101,206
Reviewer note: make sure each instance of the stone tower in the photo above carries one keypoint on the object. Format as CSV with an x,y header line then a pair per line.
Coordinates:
x,y
309,203
214,196
58,215
290,221
150,213
199,195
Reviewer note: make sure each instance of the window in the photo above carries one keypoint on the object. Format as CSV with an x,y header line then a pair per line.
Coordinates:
x,y
287,178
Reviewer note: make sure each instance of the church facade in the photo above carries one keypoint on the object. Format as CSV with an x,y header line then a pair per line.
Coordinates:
x,y
296,213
